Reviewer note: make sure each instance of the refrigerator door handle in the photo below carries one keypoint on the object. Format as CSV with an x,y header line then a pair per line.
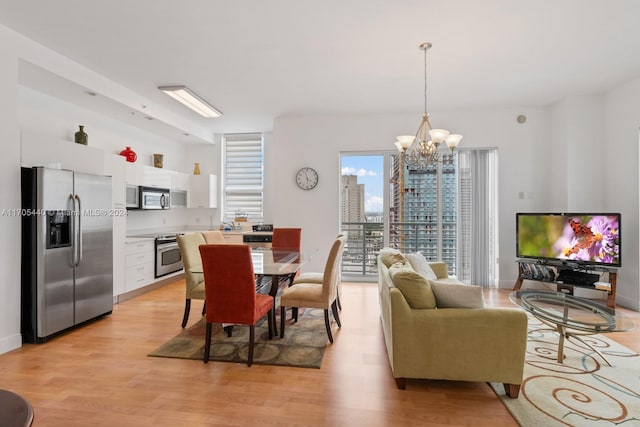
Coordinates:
x,y
79,230
73,230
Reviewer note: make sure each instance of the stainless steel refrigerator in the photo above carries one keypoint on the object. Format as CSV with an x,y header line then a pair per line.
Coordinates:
x,y
67,250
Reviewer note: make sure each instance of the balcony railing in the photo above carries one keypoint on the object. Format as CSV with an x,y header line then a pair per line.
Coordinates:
x,y
366,239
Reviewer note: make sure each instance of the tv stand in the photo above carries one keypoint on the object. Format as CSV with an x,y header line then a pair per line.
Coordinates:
x,y
566,277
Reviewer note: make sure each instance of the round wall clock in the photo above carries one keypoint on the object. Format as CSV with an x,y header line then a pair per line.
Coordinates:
x,y
307,178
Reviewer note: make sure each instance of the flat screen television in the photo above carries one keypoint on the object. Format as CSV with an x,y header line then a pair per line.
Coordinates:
x,y
579,238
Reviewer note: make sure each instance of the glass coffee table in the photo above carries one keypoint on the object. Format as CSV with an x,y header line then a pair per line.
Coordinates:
x,y
571,316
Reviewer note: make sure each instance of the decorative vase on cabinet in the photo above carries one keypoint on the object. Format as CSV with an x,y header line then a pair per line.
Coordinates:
x,y
196,168
130,155
81,136
158,160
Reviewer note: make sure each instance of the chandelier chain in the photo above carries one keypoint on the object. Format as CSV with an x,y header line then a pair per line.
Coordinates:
x,y
425,79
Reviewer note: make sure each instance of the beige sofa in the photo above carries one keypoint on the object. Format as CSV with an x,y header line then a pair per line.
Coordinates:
x,y
465,344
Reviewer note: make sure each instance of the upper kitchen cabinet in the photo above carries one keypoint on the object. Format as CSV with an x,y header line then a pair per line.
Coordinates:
x,y
155,177
203,192
180,184
133,173
180,181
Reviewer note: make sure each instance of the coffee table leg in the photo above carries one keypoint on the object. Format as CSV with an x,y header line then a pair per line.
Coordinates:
x,y
561,332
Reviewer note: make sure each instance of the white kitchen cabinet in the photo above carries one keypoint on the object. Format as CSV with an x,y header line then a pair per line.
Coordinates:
x,y
139,263
155,177
180,181
114,165
203,191
133,173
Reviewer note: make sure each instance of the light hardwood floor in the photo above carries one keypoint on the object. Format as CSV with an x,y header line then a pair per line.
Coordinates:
x,y
100,375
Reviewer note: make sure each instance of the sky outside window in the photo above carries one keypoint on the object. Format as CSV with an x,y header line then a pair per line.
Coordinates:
x,y
369,170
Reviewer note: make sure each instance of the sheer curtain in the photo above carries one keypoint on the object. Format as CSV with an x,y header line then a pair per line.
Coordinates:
x,y
478,217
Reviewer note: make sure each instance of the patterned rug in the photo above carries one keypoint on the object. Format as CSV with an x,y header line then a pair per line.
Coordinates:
x,y
303,345
582,391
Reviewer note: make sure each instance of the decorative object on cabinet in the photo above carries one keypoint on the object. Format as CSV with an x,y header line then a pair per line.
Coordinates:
x,y
81,136
130,155
157,160
196,168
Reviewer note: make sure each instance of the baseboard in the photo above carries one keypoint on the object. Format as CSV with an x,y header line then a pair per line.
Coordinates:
x,y
10,343
625,302
155,285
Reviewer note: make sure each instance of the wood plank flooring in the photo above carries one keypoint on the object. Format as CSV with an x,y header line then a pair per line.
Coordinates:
x,y
100,375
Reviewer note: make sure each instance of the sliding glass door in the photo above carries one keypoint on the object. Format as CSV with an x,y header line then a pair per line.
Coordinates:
x,y
448,212
362,211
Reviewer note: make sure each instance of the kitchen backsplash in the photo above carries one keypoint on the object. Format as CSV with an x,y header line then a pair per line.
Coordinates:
x,y
173,218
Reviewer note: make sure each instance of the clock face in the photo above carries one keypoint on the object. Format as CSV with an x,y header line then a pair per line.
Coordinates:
x,y
307,178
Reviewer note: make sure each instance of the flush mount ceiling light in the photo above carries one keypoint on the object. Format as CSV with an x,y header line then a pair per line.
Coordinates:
x,y
184,95
419,151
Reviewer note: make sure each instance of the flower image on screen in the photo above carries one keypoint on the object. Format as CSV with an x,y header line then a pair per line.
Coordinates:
x,y
585,238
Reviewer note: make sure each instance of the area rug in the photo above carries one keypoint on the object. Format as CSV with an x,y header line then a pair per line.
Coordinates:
x,y
303,345
582,391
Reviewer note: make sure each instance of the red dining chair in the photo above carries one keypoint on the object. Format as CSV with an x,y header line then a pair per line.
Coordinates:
x,y
286,239
230,292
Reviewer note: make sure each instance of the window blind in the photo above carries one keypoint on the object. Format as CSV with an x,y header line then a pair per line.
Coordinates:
x,y
243,164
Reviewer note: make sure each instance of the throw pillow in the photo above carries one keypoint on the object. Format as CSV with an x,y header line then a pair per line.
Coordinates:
x,y
415,288
390,256
449,295
421,265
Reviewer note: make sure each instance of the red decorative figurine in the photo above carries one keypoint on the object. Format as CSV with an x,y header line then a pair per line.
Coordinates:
x,y
129,154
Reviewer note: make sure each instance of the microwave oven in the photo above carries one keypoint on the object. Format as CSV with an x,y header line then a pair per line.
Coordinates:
x,y
133,197
154,198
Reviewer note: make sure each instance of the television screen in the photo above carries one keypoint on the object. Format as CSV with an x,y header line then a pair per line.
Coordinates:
x,y
581,238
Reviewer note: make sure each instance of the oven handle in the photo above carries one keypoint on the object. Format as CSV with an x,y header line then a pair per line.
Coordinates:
x,y
162,246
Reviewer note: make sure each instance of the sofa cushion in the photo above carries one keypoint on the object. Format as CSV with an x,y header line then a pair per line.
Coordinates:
x,y
421,265
390,256
415,288
453,295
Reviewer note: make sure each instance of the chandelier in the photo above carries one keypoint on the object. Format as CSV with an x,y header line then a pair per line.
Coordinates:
x,y
421,150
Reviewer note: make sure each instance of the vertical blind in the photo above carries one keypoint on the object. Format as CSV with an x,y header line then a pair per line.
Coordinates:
x,y
243,161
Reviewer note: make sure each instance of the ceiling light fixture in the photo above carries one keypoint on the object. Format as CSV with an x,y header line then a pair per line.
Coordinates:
x,y
419,151
187,97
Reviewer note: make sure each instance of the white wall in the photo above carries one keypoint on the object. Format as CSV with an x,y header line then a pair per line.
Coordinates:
x,y
10,177
578,149
620,176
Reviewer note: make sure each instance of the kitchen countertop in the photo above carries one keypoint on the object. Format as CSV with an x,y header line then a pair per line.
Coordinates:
x,y
150,234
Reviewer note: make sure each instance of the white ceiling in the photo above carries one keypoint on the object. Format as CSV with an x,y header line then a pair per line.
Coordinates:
x,y
256,60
